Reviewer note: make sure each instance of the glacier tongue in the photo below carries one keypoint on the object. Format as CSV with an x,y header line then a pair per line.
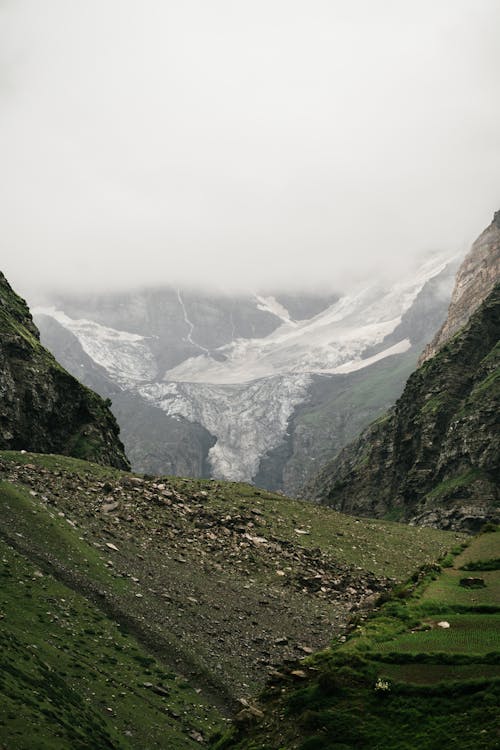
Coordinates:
x,y
247,419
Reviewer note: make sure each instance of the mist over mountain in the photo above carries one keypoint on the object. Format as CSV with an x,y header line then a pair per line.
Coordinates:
x,y
433,457
232,387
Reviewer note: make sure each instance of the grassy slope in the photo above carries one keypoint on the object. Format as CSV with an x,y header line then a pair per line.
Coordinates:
x,y
180,576
399,681
72,678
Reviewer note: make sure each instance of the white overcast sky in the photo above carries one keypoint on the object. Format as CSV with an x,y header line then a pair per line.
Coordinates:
x,y
243,142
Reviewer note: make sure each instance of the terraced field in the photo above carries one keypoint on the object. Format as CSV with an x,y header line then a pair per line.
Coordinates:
x,y
423,671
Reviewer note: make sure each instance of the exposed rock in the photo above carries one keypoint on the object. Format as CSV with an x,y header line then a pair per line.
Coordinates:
x,y
434,459
42,408
249,715
477,276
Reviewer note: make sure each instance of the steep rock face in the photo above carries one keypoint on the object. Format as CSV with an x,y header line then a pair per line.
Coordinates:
x,y
42,407
435,458
476,278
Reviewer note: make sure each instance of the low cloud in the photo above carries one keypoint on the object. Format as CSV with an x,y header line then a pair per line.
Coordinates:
x,y
269,144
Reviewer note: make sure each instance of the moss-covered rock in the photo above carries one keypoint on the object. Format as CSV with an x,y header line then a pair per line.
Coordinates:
x,y
42,407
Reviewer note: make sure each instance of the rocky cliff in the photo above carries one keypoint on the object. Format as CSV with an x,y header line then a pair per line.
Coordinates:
x,y
434,459
42,407
477,276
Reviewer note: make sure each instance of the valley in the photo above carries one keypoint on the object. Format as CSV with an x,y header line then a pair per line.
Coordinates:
x,y
200,366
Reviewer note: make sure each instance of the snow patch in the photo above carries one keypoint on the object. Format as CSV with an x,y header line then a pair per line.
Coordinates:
x,y
271,305
400,348
125,356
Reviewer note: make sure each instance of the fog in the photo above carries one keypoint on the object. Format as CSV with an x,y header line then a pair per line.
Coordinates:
x,y
243,143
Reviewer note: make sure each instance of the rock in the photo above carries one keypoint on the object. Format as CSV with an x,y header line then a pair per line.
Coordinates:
x,y
306,649
434,458
249,715
159,690
112,546
476,278
136,480
443,624
47,410
108,507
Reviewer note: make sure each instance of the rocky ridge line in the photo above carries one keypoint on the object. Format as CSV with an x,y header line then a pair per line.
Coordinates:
x,y
477,276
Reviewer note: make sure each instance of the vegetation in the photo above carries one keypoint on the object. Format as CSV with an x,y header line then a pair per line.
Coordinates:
x,y
167,583
435,458
72,678
417,673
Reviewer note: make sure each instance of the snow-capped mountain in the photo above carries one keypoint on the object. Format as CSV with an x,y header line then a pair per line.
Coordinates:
x,y
239,368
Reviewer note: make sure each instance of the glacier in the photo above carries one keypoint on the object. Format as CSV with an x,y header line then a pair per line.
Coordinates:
x,y
245,392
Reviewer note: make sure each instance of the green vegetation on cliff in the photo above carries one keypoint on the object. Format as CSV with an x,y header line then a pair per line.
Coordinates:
x,y
436,457
42,407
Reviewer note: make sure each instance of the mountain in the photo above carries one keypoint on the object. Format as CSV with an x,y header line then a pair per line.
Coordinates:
x,y
476,278
137,612
434,458
246,388
42,407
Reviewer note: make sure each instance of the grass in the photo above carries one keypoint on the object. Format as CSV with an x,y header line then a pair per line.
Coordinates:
x,y
67,464
463,480
381,546
467,634
393,684
447,588
71,678
206,593
434,674
41,527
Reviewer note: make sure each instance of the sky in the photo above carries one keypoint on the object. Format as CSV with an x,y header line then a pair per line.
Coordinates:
x,y
241,144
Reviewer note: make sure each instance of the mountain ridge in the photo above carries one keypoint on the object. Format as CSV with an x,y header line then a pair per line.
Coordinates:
x,y
433,458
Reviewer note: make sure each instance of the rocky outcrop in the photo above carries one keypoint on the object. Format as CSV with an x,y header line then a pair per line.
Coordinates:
x,y
43,408
476,278
435,458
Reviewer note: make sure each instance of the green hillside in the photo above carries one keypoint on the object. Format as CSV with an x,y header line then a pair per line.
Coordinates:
x,y
434,458
421,671
137,611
